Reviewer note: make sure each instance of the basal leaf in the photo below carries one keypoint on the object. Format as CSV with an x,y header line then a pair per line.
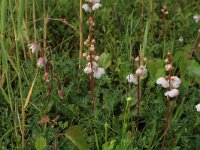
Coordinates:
x,y
74,134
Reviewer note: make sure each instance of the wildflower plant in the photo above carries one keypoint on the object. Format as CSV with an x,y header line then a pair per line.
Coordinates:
x,y
92,68
136,78
171,83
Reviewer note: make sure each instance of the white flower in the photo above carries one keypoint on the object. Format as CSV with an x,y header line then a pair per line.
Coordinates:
x,y
96,6
86,7
172,93
33,47
168,67
88,69
98,72
162,81
180,39
198,107
175,82
132,78
196,18
141,70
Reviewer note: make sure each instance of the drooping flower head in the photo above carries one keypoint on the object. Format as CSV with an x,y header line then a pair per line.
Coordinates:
x,y
131,78
41,61
196,18
94,5
33,47
98,72
162,81
172,93
198,107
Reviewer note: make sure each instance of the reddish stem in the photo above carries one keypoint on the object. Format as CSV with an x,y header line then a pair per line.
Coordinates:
x,y
92,82
166,122
167,110
138,93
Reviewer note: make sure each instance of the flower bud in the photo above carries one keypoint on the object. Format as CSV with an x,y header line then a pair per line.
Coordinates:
x,y
45,76
96,58
168,67
137,59
92,48
84,54
60,94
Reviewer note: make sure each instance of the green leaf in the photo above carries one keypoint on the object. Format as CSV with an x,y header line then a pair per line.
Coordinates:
x,y
109,145
40,143
181,59
156,69
194,70
105,60
74,134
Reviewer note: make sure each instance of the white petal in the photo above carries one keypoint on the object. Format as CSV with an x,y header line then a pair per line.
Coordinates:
x,y
132,78
141,71
87,70
86,7
96,6
98,72
172,93
162,81
198,107
175,82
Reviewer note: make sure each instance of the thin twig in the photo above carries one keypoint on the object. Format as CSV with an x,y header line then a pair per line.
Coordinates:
x,y
64,21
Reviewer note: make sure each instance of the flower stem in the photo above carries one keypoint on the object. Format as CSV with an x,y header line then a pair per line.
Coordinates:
x,y
138,94
166,123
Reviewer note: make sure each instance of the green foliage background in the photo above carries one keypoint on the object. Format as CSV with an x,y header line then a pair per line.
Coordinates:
x,y
122,27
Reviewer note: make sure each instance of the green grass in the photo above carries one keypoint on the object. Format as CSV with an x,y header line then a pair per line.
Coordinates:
x,y
122,28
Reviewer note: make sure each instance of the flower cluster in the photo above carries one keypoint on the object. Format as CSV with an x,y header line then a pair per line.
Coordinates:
x,y
139,73
169,82
92,5
92,67
41,60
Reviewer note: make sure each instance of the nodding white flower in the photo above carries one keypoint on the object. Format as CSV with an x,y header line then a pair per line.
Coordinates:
x,y
86,7
172,93
196,18
168,67
132,78
33,47
175,82
88,69
162,81
141,70
40,62
96,6
198,107
98,72
180,39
